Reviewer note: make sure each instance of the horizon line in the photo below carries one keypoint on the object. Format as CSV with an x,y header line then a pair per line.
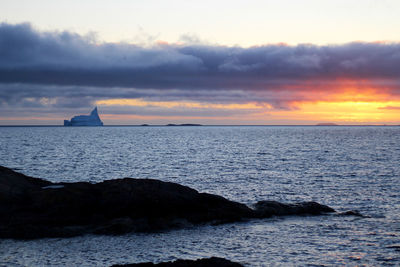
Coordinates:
x,y
199,125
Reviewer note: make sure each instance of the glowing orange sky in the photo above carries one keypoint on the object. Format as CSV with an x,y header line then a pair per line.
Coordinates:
x,y
343,102
275,65
347,105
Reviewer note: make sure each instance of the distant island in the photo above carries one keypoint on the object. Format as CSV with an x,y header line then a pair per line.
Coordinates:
x,y
184,124
327,124
85,120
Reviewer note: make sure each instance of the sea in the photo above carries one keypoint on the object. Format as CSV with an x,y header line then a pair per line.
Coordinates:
x,y
345,167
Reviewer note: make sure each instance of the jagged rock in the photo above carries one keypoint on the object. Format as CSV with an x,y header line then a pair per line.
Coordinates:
x,y
15,186
209,262
351,213
266,209
32,208
35,208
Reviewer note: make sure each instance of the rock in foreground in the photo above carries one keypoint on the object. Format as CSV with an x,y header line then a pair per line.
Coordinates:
x,y
265,209
210,262
35,208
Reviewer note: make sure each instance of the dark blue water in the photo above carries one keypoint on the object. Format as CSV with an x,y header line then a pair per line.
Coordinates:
x,y
344,167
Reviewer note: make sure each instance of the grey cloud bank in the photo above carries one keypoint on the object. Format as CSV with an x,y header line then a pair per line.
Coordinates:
x,y
74,70
65,58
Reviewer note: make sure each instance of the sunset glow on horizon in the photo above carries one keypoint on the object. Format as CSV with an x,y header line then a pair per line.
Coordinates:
x,y
345,105
344,70
308,113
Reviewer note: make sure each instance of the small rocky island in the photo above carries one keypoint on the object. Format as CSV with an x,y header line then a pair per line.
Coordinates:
x,y
327,124
206,262
184,124
85,120
35,208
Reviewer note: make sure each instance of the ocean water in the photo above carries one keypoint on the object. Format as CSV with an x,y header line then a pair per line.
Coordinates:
x,y
347,168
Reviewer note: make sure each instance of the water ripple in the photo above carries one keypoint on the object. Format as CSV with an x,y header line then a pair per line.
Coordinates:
x,y
348,168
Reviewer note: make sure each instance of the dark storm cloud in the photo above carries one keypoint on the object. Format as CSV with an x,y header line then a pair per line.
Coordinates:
x,y
64,58
62,71
35,109
73,95
174,111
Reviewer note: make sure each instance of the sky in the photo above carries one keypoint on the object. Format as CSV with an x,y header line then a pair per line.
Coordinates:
x,y
211,62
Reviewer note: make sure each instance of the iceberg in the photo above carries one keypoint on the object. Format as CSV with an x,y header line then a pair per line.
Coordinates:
x,y
85,120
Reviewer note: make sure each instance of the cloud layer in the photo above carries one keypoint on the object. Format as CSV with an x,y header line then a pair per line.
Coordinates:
x,y
66,58
67,70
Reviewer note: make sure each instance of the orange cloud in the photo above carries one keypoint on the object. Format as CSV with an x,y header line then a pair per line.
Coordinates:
x,y
348,112
344,102
348,106
180,104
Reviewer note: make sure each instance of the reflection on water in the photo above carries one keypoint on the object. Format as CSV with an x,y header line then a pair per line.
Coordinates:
x,y
343,167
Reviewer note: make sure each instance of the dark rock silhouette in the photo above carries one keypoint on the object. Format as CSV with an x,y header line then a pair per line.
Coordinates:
x,y
352,213
327,124
35,208
184,124
209,262
265,209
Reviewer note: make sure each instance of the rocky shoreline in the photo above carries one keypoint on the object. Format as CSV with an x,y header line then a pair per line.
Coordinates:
x,y
35,208
206,262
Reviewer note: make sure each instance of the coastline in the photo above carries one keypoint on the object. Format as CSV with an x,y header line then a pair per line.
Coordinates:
x,y
40,208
